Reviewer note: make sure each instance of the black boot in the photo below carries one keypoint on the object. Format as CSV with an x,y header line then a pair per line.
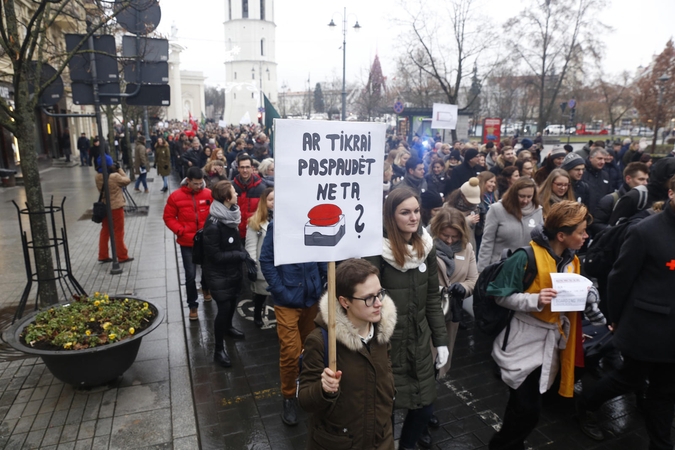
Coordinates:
x,y
587,420
290,413
229,329
222,358
434,422
425,440
259,302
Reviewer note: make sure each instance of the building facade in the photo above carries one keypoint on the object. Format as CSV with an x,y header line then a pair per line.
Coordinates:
x,y
250,66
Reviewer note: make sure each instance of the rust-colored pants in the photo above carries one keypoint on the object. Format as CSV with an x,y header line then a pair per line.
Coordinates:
x,y
293,327
104,237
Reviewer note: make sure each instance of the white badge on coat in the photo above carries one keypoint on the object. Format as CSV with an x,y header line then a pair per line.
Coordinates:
x,y
423,267
605,181
230,240
460,257
531,223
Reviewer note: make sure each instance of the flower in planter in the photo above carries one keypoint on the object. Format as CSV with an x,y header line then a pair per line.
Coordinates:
x,y
87,322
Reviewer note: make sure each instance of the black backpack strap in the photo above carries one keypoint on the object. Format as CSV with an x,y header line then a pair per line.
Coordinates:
x,y
528,279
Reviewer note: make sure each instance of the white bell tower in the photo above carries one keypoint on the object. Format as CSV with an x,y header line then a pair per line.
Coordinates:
x,y
250,67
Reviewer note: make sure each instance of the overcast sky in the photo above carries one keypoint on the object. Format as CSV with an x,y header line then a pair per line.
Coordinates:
x,y
306,46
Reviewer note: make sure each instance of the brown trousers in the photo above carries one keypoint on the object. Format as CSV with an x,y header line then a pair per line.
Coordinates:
x,y
293,327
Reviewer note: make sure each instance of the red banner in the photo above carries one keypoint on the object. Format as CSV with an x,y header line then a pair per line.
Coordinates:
x,y
492,130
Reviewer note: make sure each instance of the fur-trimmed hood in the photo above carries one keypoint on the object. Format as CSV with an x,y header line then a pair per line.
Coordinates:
x,y
346,333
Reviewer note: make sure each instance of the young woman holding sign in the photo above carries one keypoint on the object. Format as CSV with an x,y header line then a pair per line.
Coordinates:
x,y
351,408
540,342
408,271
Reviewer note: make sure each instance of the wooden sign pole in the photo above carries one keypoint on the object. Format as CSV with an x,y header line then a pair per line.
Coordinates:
x,y
332,353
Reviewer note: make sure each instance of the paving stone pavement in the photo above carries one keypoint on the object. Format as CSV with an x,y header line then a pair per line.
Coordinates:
x,y
174,396
151,405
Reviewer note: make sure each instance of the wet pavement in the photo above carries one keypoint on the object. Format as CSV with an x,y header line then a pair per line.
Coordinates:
x,y
174,396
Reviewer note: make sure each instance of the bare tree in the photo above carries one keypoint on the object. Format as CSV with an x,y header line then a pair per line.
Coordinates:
x,y
617,94
32,31
551,39
655,97
446,57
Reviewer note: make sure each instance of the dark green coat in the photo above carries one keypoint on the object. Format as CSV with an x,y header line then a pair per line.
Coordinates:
x,y
419,320
163,160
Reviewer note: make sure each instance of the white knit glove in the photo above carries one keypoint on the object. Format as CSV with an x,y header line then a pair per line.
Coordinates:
x,y
442,356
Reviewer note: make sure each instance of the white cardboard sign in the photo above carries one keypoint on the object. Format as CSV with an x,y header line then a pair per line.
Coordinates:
x,y
572,291
444,117
328,190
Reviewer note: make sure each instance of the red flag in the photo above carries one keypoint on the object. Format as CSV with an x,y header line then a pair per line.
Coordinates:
x,y
193,123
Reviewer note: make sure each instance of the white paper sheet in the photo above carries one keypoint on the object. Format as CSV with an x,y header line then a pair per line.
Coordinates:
x,y
572,292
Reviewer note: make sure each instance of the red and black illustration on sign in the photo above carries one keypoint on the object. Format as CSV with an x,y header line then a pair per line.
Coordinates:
x,y
326,226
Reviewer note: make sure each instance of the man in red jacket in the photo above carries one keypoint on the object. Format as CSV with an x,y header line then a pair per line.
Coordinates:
x,y
249,187
185,212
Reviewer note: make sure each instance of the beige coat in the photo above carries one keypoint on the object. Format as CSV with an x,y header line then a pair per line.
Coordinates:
x,y
465,274
140,156
116,181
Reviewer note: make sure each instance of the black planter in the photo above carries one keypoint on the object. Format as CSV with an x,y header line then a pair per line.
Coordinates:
x,y
91,366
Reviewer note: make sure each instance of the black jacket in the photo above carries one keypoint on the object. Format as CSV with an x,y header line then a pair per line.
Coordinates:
x,y
606,206
461,174
223,256
193,156
83,144
598,184
640,288
581,191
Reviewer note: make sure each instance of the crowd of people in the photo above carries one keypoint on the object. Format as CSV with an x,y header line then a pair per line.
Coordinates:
x,y
450,211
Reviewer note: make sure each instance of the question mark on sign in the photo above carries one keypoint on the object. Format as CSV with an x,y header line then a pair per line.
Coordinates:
x,y
359,226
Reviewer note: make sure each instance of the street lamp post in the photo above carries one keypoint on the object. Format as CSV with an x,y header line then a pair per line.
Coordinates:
x,y
663,79
356,27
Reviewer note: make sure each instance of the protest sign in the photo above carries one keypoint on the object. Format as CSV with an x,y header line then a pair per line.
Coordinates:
x,y
444,117
328,190
572,292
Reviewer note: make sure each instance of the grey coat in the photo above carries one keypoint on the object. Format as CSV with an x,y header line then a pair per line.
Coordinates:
x,y
254,242
502,231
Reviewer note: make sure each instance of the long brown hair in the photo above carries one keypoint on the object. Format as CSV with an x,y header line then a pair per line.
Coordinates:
x,y
547,189
262,213
398,244
510,199
483,178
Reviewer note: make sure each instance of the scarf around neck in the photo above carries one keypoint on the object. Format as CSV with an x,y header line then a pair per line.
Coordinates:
x,y
412,261
529,209
447,254
230,217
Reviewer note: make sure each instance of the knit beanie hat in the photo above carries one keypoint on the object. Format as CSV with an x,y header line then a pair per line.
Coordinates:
x,y
455,154
557,153
431,200
471,191
526,143
470,154
571,161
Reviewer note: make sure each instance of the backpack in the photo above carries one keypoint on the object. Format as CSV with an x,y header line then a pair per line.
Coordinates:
x,y
198,248
604,249
324,333
489,316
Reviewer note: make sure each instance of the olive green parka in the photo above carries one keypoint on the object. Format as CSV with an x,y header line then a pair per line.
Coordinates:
x,y
419,319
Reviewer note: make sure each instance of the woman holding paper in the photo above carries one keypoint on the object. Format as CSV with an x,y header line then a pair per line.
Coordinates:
x,y
538,342
408,271
351,408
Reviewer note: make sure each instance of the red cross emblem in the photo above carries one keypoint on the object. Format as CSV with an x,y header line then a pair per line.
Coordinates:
x,y
671,264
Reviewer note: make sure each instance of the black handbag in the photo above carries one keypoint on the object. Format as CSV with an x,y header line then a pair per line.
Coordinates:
x,y
99,211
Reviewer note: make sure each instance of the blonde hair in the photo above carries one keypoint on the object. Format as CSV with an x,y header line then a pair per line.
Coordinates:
x,y
547,189
401,153
262,213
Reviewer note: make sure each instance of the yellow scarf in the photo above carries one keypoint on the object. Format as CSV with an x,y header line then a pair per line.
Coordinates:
x,y
545,266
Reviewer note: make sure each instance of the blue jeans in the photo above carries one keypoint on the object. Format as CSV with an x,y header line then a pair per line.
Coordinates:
x,y
166,182
141,179
190,275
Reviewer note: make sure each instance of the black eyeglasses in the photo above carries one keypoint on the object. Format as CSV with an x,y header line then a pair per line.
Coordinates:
x,y
369,301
